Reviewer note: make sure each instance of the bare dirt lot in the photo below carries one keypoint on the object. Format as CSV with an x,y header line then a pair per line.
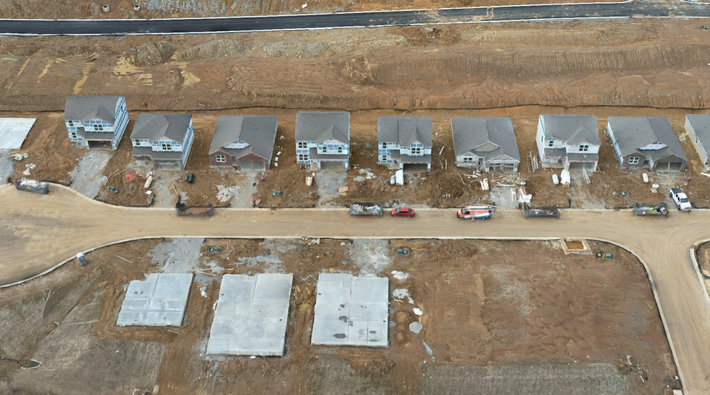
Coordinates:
x,y
483,312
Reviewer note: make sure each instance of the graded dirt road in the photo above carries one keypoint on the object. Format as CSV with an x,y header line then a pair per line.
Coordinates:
x,y
39,232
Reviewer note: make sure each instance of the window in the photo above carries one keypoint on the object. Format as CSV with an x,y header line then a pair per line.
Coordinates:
x,y
70,123
383,145
416,151
98,127
302,157
383,158
467,159
324,149
301,144
220,158
73,135
551,143
340,149
584,147
136,143
166,146
634,160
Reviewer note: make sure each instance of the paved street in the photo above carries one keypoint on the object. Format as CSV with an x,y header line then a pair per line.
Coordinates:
x,y
39,232
636,9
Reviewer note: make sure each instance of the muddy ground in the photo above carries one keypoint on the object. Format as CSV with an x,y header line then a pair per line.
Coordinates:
x,y
634,63
482,309
443,186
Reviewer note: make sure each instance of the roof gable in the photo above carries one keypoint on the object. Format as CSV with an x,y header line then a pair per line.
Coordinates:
x,y
632,133
153,127
405,130
87,108
476,134
257,131
320,126
572,129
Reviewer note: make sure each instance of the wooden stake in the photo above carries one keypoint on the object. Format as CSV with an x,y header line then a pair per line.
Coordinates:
x,y
122,258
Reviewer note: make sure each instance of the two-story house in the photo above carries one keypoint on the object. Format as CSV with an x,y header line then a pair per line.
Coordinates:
x,y
245,142
323,139
568,141
96,121
698,128
485,144
404,141
164,140
646,141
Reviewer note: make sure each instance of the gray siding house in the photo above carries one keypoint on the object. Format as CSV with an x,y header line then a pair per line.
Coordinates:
x,y
568,141
96,121
323,139
698,128
164,140
243,142
485,144
403,141
646,141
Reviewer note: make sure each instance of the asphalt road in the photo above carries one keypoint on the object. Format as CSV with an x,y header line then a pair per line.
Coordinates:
x,y
636,9
40,232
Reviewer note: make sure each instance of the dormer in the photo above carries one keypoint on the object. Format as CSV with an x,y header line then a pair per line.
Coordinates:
x,y
655,146
237,145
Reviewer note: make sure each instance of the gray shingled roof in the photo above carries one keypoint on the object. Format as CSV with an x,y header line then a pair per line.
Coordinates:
x,y
573,129
634,132
257,131
320,126
470,133
701,126
405,130
86,108
154,126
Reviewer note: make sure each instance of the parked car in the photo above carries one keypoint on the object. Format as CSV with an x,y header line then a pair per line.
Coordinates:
x,y
402,212
680,199
475,212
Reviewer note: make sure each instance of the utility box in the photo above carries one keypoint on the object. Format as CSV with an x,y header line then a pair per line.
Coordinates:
x,y
81,259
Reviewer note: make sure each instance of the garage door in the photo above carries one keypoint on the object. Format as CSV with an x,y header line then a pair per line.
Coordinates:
x,y
256,165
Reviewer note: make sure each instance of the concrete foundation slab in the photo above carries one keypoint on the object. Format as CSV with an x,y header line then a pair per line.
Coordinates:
x,y
160,300
351,310
251,315
13,131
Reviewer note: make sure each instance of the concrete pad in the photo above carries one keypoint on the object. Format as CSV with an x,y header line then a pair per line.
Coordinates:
x,y
160,300
251,315
13,131
351,310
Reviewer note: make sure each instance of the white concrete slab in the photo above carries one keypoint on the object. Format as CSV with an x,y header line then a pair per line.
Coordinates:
x,y
351,310
160,300
251,315
13,131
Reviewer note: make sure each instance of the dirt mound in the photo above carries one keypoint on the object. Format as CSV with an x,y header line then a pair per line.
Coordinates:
x,y
153,53
212,50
